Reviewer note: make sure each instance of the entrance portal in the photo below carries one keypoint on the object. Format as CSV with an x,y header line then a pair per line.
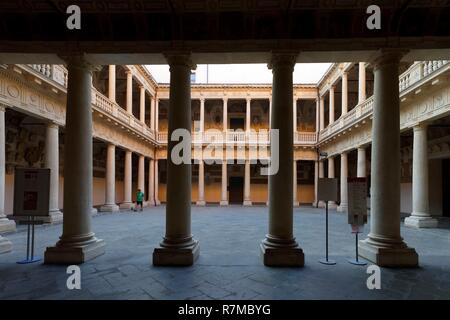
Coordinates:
x,y
236,191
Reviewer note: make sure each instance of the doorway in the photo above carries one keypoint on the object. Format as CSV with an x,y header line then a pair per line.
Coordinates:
x,y
237,123
236,190
446,187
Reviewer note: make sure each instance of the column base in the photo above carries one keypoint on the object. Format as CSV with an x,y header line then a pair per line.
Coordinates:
x,y
157,203
395,257
185,256
296,204
126,205
332,205
7,225
223,202
342,208
74,254
5,245
201,203
109,208
421,222
321,204
247,203
54,217
94,211
151,203
282,257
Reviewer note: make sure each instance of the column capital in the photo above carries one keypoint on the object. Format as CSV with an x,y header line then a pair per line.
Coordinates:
x,y
420,126
386,57
180,59
225,99
51,124
79,61
3,107
282,59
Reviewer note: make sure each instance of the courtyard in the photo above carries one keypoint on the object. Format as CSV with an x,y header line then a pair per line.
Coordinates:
x,y
229,266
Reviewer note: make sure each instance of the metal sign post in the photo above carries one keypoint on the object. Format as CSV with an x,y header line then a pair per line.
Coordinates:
x,y
356,261
357,211
30,240
327,191
31,200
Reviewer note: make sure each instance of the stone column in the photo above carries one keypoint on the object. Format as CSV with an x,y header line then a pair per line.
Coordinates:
x,y
331,109
151,183
202,115
295,114
384,244
343,206
152,113
127,203
225,114
6,225
77,243
247,197
141,174
142,104
331,174
362,82
201,183
361,167
317,115
178,246
52,162
129,101
420,216
321,175
157,115
294,179
110,181
344,104
279,248
248,116
224,197
157,202
316,182
322,113
112,83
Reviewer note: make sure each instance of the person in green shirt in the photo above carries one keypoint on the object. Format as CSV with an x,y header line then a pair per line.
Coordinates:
x,y
139,199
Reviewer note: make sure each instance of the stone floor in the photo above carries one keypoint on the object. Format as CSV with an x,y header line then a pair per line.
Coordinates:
x,y
229,266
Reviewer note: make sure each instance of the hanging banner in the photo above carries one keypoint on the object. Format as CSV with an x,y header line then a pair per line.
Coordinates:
x,y
31,192
357,203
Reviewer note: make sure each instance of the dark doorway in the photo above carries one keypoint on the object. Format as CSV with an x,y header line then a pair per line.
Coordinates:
x,y
237,123
446,187
236,191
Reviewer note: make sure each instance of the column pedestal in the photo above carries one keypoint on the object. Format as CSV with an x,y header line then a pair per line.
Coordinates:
x,y
5,245
77,243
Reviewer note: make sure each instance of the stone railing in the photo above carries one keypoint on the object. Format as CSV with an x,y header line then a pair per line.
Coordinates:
x,y
418,71
57,73
416,75
102,104
241,137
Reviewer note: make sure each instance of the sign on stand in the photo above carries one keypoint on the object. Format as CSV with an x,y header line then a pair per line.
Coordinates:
x,y
31,200
357,210
327,191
